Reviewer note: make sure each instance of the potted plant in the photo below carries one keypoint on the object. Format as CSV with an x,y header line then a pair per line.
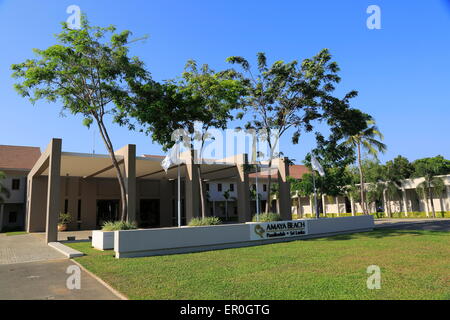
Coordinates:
x,y
64,220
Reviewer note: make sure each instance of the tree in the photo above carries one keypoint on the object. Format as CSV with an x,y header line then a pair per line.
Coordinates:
x,y
400,167
200,100
4,192
393,172
287,96
88,75
366,139
429,169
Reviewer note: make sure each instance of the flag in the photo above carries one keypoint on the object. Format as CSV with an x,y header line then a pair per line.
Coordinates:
x,y
172,157
316,166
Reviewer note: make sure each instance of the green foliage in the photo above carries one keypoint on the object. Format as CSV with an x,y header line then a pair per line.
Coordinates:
x,y
206,221
429,167
90,73
398,169
118,225
199,100
84,71
421,215
64,218
267,217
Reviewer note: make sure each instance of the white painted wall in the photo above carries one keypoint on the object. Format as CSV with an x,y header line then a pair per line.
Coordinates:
x,y
134,243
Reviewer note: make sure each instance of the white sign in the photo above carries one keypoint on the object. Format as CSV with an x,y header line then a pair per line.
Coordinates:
x,y
278,229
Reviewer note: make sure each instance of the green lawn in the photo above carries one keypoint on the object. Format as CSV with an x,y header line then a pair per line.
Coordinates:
x,y
15,233
414,265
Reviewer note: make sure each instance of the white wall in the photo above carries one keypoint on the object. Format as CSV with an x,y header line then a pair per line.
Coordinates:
x,y
16,196
135,243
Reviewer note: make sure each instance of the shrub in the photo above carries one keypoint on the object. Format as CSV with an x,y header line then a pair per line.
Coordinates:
x,y
207,221
118,225
267,217
64,218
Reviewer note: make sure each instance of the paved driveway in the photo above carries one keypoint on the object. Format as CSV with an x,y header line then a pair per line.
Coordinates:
x,y
46,280
414,224
25,248
30,269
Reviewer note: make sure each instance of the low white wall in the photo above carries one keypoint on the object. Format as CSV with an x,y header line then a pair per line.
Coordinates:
x,y
103,240
135,243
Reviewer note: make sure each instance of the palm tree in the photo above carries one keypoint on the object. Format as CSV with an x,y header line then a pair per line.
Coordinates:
x,y
392,190
430,187
367,140
3,191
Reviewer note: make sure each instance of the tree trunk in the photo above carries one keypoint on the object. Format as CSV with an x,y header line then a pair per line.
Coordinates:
x,y
361,181
430,196
109,147
269,185
202,193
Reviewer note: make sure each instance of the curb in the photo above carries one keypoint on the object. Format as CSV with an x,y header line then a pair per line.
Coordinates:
x,y
114,291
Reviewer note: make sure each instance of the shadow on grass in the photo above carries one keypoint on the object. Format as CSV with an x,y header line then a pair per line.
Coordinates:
x,y
379,234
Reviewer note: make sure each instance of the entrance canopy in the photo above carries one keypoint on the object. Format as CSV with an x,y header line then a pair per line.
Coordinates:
x,y
87,165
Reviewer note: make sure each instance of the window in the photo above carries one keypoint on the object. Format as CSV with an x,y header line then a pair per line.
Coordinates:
x,y
15,184
264,187
79,210
12,217
219,187
231,187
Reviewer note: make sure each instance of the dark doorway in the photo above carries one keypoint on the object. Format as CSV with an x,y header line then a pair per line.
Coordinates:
x,y
149,215
107,210
348,205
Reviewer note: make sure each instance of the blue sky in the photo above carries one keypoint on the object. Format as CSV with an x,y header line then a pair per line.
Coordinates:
x,y
401,71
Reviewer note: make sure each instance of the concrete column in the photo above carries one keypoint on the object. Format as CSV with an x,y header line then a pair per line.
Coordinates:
x,y
284,188
385,204
352,206
129,159
405,203
165,208
192,189
2,209
324,205
338,210
300,207
53,190
448,199
243,190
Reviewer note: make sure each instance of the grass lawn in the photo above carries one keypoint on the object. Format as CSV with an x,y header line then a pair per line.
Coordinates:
x,y
414,265
15,233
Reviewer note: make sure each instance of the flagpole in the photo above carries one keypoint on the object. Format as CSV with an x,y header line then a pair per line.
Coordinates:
x,y
179,190
257,197
257,194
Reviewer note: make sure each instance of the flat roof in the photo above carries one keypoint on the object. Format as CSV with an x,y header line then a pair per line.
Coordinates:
x,y
88,165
